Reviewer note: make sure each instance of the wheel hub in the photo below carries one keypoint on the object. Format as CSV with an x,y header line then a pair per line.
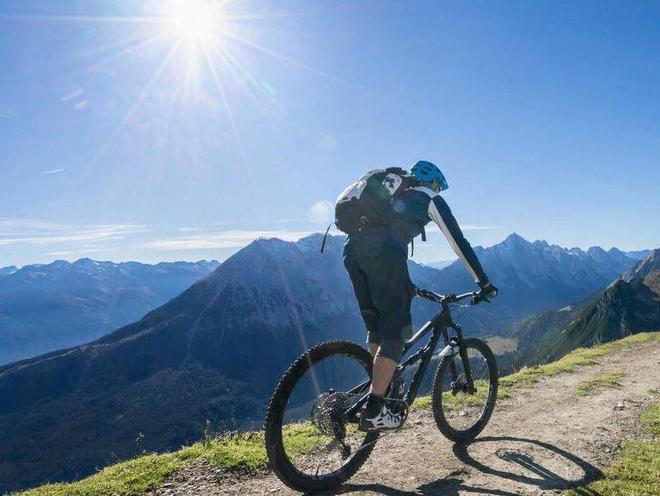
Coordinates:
x,y
329,414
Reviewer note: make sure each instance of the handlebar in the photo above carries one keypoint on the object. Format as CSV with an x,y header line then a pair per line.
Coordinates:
x,y
477,297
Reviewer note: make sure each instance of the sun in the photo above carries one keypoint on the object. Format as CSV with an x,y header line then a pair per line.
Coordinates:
x,y
193,22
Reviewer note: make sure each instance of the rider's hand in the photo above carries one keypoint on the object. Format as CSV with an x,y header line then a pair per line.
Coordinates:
x,y
488,290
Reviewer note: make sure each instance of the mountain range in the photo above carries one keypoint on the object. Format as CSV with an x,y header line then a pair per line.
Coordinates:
x,y
629,305
215,351
535,277
4,271
62,304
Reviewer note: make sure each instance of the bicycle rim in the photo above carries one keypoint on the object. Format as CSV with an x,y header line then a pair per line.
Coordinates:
x,y
465,413
318,445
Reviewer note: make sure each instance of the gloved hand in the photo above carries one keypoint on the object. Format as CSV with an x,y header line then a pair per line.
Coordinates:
x,y
488,290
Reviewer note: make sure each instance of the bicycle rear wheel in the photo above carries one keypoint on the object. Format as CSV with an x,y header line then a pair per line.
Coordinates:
x,y
459,414
310,441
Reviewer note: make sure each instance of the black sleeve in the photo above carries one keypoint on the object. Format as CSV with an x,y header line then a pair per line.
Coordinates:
x,y
440,212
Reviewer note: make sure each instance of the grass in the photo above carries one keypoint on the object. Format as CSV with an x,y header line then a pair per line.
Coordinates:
x,y
237,452
637,471
246,451
651,419
131,478
452,403
598,383
529,376
582,356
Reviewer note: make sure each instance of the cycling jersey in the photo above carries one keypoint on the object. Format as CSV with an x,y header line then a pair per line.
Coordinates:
x,y
413,209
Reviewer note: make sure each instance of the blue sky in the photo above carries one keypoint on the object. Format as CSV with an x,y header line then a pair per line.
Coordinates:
x,y
123,137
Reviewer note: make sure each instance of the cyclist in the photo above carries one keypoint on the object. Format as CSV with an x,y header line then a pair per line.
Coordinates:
x,y
375,256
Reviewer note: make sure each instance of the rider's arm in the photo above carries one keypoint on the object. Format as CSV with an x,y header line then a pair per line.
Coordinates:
x,y
440,213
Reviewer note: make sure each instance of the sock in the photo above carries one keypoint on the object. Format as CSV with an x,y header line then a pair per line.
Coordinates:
x,y
374,405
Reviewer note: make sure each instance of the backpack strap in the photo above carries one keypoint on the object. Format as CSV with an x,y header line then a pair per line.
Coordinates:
x,y
423,234
325,236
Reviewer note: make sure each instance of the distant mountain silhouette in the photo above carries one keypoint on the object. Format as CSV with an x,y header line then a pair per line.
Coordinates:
x,y
639,254
215,351
644,268
4,271
440,264
536,277
62,304
629,305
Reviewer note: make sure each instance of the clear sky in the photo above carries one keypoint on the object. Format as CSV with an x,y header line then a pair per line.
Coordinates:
x,y
149,131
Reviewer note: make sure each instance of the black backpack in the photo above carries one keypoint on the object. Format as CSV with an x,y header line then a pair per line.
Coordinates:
x,y
368,201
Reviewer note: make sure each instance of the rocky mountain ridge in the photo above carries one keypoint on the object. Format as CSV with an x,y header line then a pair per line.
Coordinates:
x,y
629,305
44,307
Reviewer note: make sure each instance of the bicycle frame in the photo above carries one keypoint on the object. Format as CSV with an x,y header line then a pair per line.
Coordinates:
x,y
438,326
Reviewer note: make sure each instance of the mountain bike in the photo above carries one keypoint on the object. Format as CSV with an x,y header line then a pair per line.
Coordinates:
x,y
311,430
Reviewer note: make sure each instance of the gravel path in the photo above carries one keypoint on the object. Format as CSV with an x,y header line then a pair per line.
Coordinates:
x,y
540,441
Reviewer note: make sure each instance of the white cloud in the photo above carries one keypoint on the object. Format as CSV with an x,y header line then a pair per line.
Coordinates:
x,y
53,171
33,240
78,253
478,227
224,239
322,211
328,142
191,229
433,227
71,94
39,232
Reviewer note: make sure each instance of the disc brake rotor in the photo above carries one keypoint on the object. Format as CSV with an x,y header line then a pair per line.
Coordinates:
x,y
460,385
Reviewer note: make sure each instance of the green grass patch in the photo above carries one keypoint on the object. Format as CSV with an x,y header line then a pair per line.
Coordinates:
x,y
577,358
637,471
599,383
131,478
651,419
237,452
422,402
452,403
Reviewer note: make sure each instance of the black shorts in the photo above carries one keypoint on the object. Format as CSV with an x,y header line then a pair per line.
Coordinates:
x,y
384,292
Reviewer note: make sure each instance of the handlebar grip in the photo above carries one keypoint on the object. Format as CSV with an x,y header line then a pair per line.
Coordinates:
x,y
479,297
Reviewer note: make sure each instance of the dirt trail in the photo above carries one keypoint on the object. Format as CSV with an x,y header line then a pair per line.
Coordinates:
x,y
540,441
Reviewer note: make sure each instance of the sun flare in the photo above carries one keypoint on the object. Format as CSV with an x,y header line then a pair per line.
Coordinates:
x,y
193,22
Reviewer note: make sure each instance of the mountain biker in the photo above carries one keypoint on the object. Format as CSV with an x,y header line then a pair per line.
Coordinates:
x,y
375,256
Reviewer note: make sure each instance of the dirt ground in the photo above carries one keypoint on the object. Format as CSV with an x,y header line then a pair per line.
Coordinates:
x,y
541,441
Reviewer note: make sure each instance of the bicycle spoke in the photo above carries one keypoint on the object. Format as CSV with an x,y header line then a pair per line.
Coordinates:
x,y
463,409
318,434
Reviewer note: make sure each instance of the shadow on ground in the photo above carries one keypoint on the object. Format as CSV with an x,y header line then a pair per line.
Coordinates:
x,y
521,468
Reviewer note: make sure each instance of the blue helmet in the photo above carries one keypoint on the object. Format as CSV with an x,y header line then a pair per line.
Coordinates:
x,y
429,173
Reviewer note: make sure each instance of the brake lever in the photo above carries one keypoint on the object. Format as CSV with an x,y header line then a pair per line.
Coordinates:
x,y
478,298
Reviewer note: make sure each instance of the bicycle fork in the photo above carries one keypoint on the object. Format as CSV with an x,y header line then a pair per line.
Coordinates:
x,y
456,345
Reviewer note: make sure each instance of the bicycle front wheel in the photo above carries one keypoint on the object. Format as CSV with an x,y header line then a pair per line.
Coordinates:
x,y
312,444
459,414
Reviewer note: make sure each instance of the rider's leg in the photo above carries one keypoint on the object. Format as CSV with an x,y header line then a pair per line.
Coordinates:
x,y
382,375
378,413
368,310
390,290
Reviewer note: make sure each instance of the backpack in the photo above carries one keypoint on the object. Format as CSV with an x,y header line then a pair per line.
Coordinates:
x,y
368,201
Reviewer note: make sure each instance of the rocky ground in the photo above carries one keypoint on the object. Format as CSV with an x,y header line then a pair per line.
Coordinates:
x,y
540,441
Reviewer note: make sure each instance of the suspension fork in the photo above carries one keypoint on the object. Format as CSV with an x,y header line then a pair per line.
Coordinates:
x,y
462,351
450,350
